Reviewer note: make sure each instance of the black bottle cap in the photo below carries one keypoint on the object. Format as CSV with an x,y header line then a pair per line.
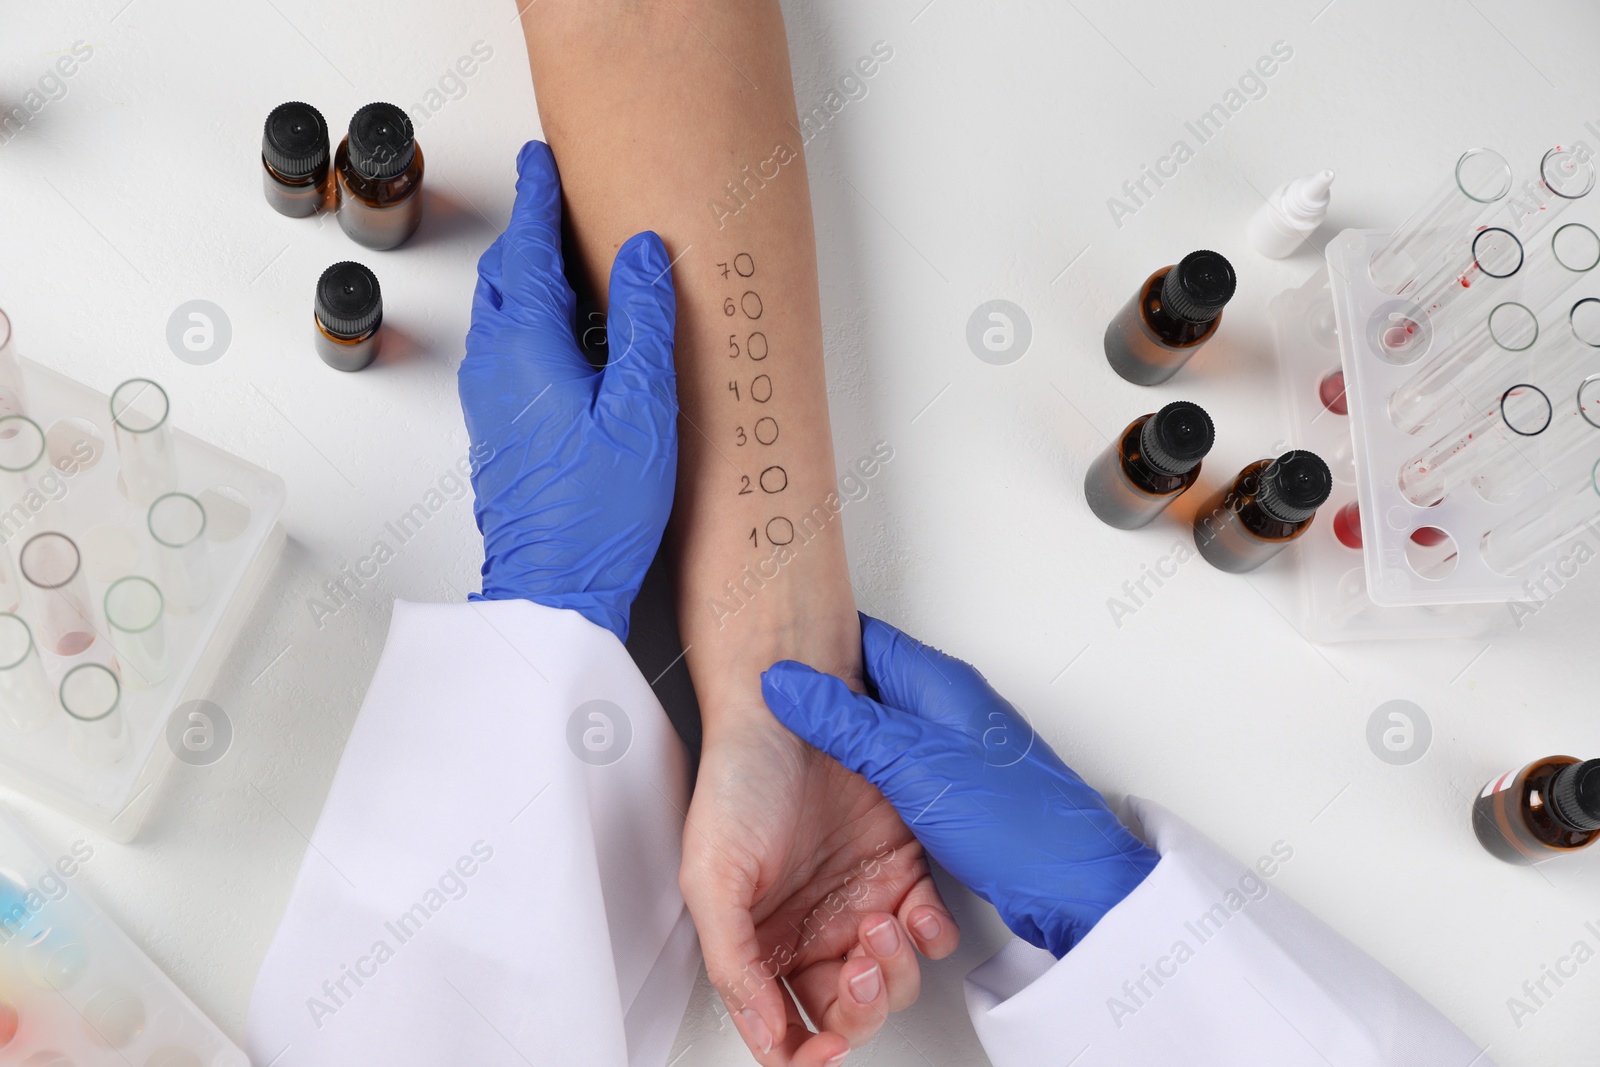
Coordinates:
x,y
1175,439
294,141
1198,287
349,302
1294,486
1575,796
382,142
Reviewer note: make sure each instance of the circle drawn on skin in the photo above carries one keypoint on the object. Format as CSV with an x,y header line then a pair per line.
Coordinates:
x,y
755,391
780,531
999,332
766,429
774,480
747,301
1399,732
750,346
199,332
599,732
738,264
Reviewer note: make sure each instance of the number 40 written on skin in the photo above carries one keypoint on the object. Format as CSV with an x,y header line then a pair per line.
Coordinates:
x,y
748,345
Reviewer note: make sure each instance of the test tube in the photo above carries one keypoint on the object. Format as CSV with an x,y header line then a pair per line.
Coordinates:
x,y
134,610
1547,524
139,410
1480,179
1509,327
178,523
1576,428
12,398
1495,254
1524,411
1566,175
22,461
53,569
27,702
92,697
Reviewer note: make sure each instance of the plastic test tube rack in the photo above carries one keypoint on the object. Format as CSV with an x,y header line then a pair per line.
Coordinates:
x,y
1334,602
73,988
242,535
1372,374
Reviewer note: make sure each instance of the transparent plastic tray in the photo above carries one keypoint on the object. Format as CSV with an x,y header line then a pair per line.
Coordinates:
x,y
242,502
1388,519
1334,602
74,990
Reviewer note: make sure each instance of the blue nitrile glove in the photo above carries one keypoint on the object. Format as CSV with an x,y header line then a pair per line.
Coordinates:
x,y
983,793
572,469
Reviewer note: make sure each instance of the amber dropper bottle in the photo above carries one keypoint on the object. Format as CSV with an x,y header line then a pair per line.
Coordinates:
x,y
348,315
1156,458
1177,310
1269,504
294,160
1549,808
379,168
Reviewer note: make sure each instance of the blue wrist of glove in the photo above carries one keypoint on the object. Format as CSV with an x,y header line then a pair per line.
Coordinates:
x,y
984,794
574,469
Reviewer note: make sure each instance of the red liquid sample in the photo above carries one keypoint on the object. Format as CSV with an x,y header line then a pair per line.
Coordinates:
x,y
1331,392
73,643
1428,536
1347,525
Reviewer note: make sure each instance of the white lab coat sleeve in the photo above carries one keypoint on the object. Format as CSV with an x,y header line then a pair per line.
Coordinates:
x,y
494,877
1206,962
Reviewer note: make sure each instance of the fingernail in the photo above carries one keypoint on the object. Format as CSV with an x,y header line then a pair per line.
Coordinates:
x,y
836,1060
927,926
883,939
756,1027
866,986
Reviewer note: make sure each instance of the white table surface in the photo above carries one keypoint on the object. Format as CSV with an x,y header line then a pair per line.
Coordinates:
x,y
977,167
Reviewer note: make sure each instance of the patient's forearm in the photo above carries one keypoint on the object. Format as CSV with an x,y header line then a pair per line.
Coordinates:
x,y
679,116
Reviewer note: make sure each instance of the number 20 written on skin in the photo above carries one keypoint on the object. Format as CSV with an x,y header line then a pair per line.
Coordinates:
x,y
753,345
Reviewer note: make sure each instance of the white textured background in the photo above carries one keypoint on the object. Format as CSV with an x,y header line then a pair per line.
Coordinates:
x,y
978,166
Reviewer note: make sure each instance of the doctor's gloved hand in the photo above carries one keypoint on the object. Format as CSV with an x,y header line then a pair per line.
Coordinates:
x,y
573,469
983,793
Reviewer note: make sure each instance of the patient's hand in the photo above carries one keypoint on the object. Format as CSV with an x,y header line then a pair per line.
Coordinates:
x,y
796,868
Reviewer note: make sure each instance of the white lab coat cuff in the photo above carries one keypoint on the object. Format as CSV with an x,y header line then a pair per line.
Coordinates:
x,y
1206,962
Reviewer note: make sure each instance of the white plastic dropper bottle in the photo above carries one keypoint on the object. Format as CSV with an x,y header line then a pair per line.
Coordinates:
x,y
1290,214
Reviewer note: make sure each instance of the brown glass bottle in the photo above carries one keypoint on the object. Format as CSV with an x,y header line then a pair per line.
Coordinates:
x,y
348,313
1549,808
379,171
1156,458
294,160
1269,504
1176,311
